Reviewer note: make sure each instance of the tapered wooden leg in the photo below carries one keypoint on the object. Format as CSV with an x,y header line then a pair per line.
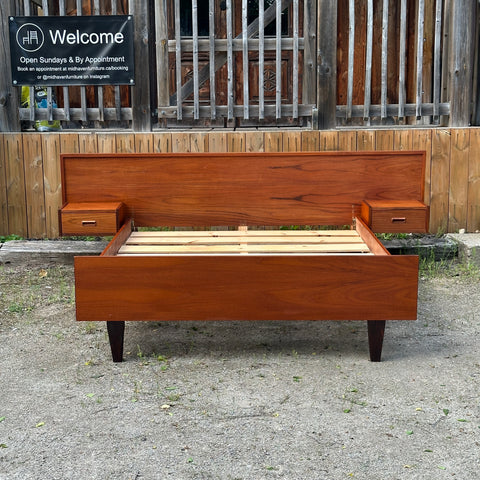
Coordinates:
x,y
115,335
376,330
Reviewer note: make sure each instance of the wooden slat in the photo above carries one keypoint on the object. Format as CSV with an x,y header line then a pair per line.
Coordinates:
x,y
351,55
196,84
246,90
223,249
162,142
52,182
384,73
3,190
419,84
459,165
15,177
441,141
422,140
178,61
34,185
230,60
211,54
402,55
143,142
261,59
384,140
437,58
161,32
125,143
281,234
278,60
295,59
473,211
368,63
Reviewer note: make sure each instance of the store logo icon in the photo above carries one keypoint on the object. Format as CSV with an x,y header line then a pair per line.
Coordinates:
x,y
30,37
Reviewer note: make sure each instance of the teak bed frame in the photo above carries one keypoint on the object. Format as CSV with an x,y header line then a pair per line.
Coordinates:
x,y
244,274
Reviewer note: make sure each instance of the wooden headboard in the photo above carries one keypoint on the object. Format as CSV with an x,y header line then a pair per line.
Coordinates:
x,y
206,189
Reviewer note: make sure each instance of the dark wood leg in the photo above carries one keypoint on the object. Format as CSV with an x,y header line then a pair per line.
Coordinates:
x,y
115,335
376,330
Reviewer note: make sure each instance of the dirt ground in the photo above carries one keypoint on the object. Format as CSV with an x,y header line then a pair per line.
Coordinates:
x,y
243,400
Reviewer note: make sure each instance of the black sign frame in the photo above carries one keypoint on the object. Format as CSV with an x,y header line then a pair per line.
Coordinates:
x,y
84,50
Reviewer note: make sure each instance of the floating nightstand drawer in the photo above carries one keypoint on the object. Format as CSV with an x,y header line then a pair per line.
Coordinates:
x,y
395,216
95,218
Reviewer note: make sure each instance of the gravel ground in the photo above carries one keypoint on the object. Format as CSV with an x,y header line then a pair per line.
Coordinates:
x,y
242,400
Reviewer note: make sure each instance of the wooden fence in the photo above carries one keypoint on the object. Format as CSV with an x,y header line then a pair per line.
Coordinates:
x,y
30,182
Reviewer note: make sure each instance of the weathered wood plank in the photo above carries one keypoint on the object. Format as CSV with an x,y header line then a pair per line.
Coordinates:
x,y
403,139
235,142
107,142
366,140
273,141
15,178
347,141
327,63
3,190
87,142
217,142
473,212
310,141
199,142
329,141
34,185
292,141
51,148
384,140
180,142
125,143
441,141
458,193
162,142
69,143
254,141
143,142
422,140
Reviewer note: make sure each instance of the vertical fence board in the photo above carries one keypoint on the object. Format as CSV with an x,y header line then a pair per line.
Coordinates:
x,y
273,142
69,143
143,142
15,178
34,185
217,142
235,142
292,141
162,142
198,142
458,195
3,191
254,141
440,181
125,143
366,140
347,141
403,139
106,143
311,141
384,140
473,213
88,142
422,140
329,141
180,142
53,182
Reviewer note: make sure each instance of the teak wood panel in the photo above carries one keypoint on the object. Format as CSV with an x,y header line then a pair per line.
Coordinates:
x,y
248,188
246,288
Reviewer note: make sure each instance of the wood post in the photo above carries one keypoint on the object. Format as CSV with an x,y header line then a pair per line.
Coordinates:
x,y
327,64
141,108
9,102
461,61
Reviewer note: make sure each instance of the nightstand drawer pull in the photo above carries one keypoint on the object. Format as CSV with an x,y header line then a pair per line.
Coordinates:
x,y
87,223
399,220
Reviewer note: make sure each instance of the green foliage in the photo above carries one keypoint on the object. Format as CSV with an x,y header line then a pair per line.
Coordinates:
x,y
7,238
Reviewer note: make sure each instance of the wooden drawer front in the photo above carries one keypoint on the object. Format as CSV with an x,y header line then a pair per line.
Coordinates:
x,y
95,219
390,218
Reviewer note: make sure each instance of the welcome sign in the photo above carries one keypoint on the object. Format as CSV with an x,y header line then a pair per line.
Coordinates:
x,y
89,50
